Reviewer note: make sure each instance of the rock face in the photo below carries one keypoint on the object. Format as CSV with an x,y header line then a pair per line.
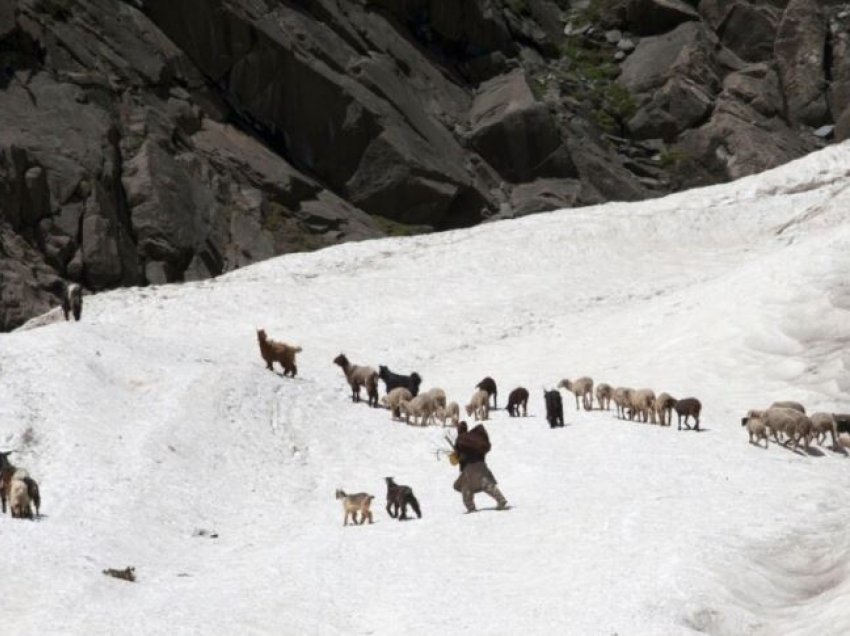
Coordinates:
x,y
157,141
799,50
514,132
676,77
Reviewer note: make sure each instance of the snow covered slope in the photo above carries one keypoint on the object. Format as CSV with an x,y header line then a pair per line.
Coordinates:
x,y
154,418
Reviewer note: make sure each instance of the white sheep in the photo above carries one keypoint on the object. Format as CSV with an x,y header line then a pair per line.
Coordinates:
x,y
394,398
643,405
792,422
622,397
422,408
451,411
788,404
479,405
664,404
603,396
19,499
823,423
756,428
439,396
581,388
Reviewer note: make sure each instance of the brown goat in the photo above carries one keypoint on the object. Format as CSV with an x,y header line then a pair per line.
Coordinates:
x,y
358,376
281,352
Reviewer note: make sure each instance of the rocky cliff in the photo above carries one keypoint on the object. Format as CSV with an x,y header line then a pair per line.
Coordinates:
x,y
150,141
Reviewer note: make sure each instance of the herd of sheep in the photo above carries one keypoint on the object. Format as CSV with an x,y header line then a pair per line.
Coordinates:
x,y
786,421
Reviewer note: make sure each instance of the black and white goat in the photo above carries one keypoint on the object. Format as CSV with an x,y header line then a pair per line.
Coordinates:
x,y
72,300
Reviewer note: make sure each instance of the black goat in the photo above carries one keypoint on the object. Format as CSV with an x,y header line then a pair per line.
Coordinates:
x,y
394,380
554,408
398,497
516,399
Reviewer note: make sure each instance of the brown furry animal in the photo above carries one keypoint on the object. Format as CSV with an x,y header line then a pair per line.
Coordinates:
x,y
352,504
358,376
278,352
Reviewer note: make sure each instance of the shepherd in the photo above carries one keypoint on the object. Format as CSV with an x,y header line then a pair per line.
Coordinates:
x,y
470,450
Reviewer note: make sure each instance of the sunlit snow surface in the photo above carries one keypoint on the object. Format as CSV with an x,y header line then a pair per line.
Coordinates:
x,y
154,418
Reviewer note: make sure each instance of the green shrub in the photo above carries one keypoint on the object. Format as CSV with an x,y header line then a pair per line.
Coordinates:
x,y
673,159
396,228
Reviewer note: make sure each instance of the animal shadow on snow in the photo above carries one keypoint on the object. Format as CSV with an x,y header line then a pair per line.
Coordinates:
x,y
812,452
491,509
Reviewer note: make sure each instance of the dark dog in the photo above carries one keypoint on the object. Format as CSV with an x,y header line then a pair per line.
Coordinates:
x,y
518,397
554,408
72,300
488,384
394,380
397,499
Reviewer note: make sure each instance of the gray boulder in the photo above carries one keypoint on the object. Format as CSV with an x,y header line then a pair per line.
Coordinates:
x,y
739,140
842,126
799,52
749,29
686,51
678,105
675,78
550,194
514,132
757,86
839,88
